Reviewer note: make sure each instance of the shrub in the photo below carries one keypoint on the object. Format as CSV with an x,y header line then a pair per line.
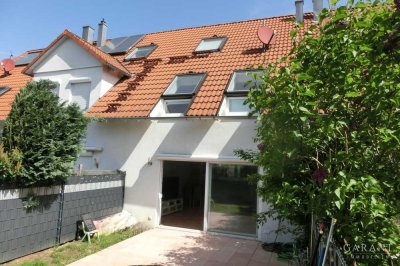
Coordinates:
x,y
330,127
47,133
10,165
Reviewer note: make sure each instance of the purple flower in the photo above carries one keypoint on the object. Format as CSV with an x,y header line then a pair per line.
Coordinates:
x,y
319,175
261,146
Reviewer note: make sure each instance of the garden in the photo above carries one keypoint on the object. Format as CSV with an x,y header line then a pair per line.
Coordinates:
x,y
329,131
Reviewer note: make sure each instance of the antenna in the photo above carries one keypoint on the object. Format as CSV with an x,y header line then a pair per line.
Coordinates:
x,y
266,35
7,64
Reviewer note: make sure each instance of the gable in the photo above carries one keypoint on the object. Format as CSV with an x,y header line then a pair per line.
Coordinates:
x,y
66,56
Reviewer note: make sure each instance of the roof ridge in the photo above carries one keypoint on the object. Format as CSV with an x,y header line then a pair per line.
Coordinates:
x,y
226,23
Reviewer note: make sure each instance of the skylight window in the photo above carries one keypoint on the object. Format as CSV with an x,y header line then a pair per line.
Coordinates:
x,y
242,81
4,90
236,105
211,44
179,94
177,106
141,52
184,85
236,93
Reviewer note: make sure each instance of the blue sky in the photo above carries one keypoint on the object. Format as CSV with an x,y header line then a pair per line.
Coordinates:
x,y
31,24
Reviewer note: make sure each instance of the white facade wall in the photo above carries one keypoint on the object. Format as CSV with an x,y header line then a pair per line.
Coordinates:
x,y
69,63
139,146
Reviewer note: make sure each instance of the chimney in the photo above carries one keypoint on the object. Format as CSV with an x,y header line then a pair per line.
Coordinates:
x,y
318,5
299,11
87,34
102,34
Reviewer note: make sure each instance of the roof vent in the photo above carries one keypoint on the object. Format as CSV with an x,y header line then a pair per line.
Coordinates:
x,y
299,11
87,34
102,34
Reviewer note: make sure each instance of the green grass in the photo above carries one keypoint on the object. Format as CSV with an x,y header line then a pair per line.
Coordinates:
x,y
34,263
73,251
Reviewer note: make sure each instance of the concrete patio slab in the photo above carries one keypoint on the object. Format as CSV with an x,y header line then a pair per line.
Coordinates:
x,y
162,246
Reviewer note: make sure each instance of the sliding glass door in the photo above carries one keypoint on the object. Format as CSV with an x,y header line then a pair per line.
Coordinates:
x,y
232,200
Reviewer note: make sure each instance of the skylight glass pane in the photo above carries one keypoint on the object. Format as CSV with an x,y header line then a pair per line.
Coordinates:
x,y
210,44
243,81
177,106
236,105
3,90
185,84
141,52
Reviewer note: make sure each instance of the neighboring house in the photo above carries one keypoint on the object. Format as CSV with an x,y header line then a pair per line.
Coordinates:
x,y
173,111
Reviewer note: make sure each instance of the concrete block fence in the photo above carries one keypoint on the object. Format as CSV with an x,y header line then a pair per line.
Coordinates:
x,y
23,232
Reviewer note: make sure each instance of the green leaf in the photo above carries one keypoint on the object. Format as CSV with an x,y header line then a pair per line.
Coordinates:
x,y
305,110
333,2
353,94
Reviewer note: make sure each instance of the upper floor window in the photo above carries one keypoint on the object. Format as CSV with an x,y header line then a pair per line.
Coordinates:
x,y
4,89
184,84
80,94
141,52
178,96
236,93
211,44
241,81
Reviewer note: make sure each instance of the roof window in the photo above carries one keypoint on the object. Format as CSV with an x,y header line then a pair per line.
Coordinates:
x,y
4,89
141,52
179,94
236,93
184,85
241,81
211,44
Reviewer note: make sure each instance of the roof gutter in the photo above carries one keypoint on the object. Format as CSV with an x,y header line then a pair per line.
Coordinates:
x,y
181,118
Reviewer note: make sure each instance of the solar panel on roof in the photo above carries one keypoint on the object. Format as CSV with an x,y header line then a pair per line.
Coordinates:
x,y
121,44
26,59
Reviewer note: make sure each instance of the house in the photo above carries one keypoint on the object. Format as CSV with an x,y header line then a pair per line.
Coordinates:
x,y
173,115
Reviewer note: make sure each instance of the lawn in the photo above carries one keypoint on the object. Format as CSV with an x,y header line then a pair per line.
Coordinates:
x,y
73,251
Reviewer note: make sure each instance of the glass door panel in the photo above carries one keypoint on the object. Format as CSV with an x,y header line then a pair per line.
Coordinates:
x,y
233,201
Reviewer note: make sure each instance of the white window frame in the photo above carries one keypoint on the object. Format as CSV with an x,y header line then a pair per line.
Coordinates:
x,y
161,108
175,81
130,56
219,48
75,81
166,101
229,112
232,80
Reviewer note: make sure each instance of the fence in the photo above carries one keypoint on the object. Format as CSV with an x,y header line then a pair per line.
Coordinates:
x,y
334,256
23,232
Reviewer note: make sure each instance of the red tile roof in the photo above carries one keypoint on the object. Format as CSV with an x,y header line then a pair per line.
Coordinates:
x,y
103,57
137,96
16,80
